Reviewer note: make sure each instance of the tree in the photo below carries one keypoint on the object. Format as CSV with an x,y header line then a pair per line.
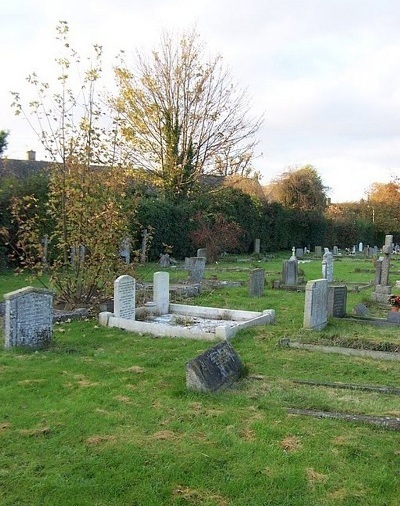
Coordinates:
x,y
3,140
86,215
300,189
382,206
182,116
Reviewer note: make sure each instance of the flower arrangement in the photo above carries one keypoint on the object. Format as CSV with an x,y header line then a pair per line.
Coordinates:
x,y
394,300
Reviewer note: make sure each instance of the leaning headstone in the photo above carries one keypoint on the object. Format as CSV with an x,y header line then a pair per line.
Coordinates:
x,y
215,369
318,251
327,266
361,310
28,318
257,281
316,305
196,268
124,297
161,292
290,272
337,300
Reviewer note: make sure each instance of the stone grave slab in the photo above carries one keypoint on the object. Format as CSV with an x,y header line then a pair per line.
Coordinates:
x,y
216,369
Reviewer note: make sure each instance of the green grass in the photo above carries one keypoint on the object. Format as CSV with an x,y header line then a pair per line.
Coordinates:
x,y
103,417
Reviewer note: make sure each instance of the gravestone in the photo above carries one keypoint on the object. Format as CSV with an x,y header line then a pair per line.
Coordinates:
x,y
360,247
299,252
327,266
378,271
361,310
318,251
216,369
383,289
257,281
202,252
256,246
125,250
124,297
28,318
335,250
165,260
316,305
196,268
290,272
366,251
161,292
337,300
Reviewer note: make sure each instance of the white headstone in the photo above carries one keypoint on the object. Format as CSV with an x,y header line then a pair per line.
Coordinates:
x,y
124,297
161,292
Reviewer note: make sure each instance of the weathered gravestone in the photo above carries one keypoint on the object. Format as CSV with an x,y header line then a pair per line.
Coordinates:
x,y
124,297
28,318
318,251
165,260
125,250
383,289
316,305
215,369
202,252
299,252
256,246
290,272
335,250
196,267
257,281
327,266
337,300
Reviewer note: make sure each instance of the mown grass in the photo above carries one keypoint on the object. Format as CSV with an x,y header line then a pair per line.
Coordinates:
x,y
103,417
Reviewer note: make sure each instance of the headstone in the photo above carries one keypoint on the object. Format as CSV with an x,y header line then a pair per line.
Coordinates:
x,y
299,253
378,271
28,318
293,257
257,281
196,268
360,247
290,272
361,310
165,261
327,266
202,252
366,251
318,251
335,250
337,300
316,305
143,249
383,289
215,369
375,251
124,297
256,246
125,250
161,292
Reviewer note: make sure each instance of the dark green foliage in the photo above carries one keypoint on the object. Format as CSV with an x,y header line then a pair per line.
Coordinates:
x,y
11,187
3,140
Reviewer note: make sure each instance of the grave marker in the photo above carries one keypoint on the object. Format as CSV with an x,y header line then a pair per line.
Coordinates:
x,y
316,305
161,292
337,300
28,318
215,369
257,281
124,297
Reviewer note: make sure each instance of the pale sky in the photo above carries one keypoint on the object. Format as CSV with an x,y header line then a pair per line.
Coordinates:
x,y
325,73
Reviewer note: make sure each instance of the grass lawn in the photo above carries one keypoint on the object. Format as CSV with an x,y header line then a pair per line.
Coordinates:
x,y
103,417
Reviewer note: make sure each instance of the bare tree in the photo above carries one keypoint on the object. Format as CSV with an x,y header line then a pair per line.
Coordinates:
x,y
182,116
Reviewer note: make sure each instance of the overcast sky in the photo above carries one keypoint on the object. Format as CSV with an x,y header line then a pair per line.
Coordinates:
x,y
326,73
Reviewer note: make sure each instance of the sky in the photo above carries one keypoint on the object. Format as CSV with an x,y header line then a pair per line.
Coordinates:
x,y
324,73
